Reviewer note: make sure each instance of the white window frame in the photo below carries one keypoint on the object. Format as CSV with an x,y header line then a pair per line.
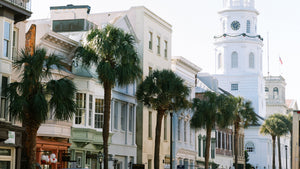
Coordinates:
x,y
99,112
251,61
9,40
234,60
10,158
81,109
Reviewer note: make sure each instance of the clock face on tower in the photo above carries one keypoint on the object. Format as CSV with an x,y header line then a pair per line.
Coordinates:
x,y
235,25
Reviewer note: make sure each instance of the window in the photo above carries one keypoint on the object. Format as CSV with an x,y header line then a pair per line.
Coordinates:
x,y
234,60
4,100
275,93
116,107
199,145
224,26
150,40
7,156
266,92
219,60
251,60
80,114
149,164
158,45
90,109
178,129
219,139
166,49
99,113
150,125
150,71
131,114
223,140
248,26
6,39
184,132
230,142
234,87
213,147
204,146
165,127
123,116
15,44
250,147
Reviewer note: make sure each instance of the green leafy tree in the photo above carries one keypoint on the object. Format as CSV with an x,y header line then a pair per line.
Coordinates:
x,y
248,165
31,98
243,116
270,127
163,91
210,110
282,131
112,52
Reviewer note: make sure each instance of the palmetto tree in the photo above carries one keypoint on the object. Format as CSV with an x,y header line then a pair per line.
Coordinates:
x,y
37,91
270,127
163,91
211,110
112,52
243,116
281,131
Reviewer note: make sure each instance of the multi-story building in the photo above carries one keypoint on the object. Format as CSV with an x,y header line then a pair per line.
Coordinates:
x,y
12,38
183,142
129,142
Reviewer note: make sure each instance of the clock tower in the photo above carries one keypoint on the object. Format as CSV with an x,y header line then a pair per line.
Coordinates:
x,y
238,51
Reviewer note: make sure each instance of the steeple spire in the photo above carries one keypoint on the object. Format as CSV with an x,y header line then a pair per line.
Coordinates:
x,y
249,4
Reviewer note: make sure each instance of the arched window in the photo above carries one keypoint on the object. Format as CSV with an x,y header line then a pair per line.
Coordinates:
x,y
250,147
234,60
219,61
251,60
248,26
266,92
275,93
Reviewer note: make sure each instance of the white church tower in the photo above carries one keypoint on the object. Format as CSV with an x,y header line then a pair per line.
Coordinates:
x,y
239,53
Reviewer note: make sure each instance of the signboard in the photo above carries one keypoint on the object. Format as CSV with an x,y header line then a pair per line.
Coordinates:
x,y
11,138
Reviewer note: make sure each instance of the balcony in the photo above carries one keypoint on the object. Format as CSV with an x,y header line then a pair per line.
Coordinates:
x,y
20,8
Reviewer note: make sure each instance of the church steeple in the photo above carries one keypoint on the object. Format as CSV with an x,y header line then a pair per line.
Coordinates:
x,y
239,52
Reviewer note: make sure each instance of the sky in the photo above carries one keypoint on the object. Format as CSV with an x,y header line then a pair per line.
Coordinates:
x,y
196,22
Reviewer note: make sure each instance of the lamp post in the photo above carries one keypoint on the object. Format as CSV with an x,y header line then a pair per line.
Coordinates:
x,y
115,163
100,157
286,156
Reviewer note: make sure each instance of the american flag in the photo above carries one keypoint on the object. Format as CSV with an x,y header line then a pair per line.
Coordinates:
x,y
280,60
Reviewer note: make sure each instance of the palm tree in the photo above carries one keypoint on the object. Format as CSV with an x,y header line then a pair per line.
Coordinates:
x,y
270,127
30,99
243,116
113,53
163,91
280,132
211,110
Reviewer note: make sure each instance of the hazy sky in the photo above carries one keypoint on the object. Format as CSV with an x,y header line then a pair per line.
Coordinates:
x,y
195,22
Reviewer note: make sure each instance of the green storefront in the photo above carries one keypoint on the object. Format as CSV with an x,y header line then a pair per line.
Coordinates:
x,y
85,148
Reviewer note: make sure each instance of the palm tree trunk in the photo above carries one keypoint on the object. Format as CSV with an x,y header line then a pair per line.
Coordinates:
x,y
273,145
279,152
31,128
105,132
236,144
159,118
207,145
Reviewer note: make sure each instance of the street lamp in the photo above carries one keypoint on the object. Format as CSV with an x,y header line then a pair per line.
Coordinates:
x,y
100,157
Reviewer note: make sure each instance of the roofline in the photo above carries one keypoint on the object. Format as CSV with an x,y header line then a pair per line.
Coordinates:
x,y
71,6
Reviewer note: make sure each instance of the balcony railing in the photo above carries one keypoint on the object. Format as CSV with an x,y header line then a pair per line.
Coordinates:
x,y
25,4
